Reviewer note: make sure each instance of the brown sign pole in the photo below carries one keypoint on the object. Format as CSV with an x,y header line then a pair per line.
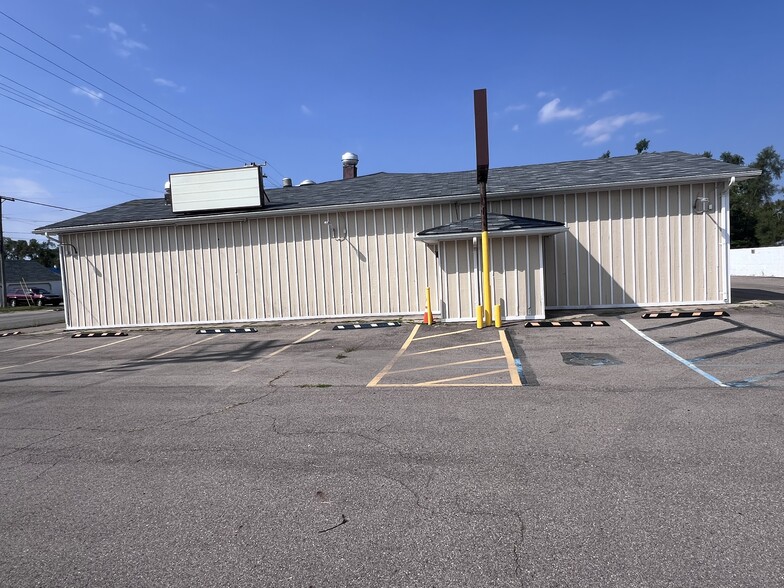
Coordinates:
x,y
482,167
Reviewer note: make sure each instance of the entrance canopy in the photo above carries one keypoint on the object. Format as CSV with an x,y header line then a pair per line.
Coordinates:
x,y
498,225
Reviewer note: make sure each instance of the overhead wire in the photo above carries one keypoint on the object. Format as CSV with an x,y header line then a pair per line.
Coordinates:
x,y
149,148
94,129
98,126
176,132
103,98
48,205
31,159
87,65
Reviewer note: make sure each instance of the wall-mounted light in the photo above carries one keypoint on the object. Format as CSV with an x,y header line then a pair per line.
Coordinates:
x,y
702,205
333,231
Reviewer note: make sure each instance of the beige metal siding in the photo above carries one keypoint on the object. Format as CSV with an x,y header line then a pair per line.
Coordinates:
x,y
517,277
632,247
316,266
623,247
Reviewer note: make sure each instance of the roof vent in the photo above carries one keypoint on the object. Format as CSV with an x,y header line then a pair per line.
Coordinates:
x,y
306,183
287,182
350,161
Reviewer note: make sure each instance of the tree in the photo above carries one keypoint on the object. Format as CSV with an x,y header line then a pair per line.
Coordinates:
x,y
44,253
707,154
605,155
642,145
755,218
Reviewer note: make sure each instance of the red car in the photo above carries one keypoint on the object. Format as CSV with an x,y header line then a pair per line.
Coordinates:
x,y
36,296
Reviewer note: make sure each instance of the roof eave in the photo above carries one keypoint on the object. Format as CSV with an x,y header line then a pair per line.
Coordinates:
x,y
543,231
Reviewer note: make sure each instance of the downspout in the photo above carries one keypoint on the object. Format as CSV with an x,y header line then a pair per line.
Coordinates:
x,y
725,234
63,274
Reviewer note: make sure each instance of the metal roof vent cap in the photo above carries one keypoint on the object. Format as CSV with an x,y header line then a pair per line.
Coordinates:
x,y
350,158
350,161
306,183
287,182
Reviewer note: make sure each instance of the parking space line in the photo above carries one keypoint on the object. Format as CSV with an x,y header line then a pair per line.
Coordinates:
x,y
511,363
440,365
274,353
8,367
33,344
300,340
456,347
442,334
401,351
179,348
674,355
458,378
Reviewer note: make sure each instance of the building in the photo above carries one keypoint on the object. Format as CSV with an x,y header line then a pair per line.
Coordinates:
x,y
31,274
639,231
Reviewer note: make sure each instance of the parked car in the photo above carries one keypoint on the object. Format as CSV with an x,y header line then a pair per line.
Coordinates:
x,y
37,296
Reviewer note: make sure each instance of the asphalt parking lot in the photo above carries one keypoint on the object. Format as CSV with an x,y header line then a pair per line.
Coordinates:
x,y
644,453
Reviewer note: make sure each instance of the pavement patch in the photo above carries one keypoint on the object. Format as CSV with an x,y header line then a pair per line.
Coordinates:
x,y
589,359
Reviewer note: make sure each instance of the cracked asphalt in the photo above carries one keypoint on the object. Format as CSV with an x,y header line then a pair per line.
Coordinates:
x,y
143,462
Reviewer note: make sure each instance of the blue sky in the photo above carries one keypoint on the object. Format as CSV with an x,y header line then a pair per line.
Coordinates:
x,y
297,84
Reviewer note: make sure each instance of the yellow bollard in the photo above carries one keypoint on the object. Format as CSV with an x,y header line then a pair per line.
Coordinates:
x,y
429,313
497,315
480,315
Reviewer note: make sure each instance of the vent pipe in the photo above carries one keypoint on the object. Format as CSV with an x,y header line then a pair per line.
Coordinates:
x,y
287,182
350,161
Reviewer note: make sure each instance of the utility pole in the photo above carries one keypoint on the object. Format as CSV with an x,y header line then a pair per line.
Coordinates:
x,y
482,167
2,249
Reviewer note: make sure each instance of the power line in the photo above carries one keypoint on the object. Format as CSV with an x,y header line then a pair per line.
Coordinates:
x,y
126,88
49,205
23,158
70,83
74,169
117,136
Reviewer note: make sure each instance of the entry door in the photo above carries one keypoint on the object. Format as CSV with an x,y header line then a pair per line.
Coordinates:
x,y
458,273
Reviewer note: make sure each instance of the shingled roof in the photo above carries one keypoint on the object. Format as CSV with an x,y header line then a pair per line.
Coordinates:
x,y
375,189
498,225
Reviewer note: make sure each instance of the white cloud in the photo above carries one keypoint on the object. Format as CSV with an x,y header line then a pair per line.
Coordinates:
x,y
93,95
131,44
516,128
608,95
543,94
305,110
603,129
116,31
95,11
118,34
550,112
23,187
515,108
169,84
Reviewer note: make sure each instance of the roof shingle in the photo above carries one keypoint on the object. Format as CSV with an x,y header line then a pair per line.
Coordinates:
x,y
672,166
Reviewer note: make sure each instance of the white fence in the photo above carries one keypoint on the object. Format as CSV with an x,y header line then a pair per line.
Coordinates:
x,y
759,261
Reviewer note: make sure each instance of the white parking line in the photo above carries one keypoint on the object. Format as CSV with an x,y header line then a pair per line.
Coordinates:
x,y
180,348
685,362
274,353
8,367
33,344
